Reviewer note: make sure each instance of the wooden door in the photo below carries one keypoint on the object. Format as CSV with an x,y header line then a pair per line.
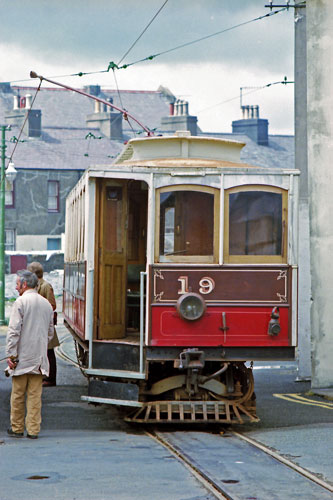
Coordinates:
x,y
112,259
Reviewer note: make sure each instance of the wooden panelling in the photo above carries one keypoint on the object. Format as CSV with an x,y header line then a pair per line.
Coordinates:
x,y
222,285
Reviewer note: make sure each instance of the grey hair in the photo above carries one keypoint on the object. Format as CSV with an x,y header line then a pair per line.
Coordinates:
x,y
28,277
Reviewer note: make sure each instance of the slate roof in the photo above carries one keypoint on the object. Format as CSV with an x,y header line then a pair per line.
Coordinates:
x,y
63,143
64,146
279,153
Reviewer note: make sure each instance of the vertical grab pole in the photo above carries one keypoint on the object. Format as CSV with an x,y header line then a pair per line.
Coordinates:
x,y
142,316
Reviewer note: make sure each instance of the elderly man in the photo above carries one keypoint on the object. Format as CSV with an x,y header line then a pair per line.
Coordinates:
x,y
29,331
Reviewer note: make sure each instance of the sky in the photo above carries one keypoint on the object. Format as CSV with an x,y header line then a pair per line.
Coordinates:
x,y
65,37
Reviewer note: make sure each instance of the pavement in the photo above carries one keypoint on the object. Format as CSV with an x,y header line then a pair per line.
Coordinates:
x,y
296,422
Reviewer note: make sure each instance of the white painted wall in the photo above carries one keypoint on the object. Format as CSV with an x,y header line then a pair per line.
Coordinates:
x,y
320,170
31,242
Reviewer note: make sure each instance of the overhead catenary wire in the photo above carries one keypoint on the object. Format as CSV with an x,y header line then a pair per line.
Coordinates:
x,y
206,37
142,33
254,89
113,65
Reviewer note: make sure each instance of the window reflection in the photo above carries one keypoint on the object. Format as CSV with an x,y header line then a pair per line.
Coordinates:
x,y
255,223
186,223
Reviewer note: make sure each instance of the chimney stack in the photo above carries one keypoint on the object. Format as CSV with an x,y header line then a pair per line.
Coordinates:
x,y
179,118
108,122
251,125
22,106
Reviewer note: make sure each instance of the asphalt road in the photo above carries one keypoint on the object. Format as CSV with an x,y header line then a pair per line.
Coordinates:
x,y
86,451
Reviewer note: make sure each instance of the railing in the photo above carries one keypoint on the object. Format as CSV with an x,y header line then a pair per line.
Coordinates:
x,y
142,317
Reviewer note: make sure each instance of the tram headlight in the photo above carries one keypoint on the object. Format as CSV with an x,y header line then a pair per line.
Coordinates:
x,y
191,306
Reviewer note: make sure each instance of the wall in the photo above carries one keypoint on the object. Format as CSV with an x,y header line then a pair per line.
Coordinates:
x,y
304,331
49,260
32,242
30,217
320,152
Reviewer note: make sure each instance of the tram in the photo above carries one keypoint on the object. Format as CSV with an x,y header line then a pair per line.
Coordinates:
x,y
180,271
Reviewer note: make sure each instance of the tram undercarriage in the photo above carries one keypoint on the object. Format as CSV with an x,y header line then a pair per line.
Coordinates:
x,y
186,390
199,396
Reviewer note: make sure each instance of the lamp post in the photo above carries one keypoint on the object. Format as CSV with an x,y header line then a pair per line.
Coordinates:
x,y
10,174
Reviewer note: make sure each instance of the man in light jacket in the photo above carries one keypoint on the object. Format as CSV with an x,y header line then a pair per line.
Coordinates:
x,y
29,331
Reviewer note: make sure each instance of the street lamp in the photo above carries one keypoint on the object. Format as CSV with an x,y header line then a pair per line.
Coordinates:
x,y
10,174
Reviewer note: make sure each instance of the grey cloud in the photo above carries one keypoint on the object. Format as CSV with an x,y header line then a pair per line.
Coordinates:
x,y
78,32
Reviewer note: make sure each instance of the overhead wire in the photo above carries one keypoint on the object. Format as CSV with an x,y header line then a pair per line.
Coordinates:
x,y
113,65
127,52
145,29
206,37
255,89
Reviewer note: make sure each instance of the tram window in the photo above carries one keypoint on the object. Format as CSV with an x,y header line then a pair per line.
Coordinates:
x,y
256,225
113,227
186,224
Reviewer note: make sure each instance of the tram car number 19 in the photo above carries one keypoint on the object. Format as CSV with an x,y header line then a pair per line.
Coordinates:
x,y
180,271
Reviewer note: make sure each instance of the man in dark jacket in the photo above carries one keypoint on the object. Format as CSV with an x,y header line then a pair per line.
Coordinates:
x,y
45,290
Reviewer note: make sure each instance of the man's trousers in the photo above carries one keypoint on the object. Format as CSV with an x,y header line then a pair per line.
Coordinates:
x,y
30,386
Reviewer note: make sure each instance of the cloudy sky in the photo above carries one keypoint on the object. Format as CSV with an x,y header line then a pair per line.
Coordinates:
x,y
64,37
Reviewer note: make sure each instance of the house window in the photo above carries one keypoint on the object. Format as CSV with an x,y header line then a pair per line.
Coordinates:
x,y
9,194
53,196
9,239
54,243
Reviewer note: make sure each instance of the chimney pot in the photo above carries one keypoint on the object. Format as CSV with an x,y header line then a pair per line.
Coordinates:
x,y
16,102
97,107
28,100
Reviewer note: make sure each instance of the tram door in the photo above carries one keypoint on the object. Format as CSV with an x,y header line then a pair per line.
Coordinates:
x,y
111,224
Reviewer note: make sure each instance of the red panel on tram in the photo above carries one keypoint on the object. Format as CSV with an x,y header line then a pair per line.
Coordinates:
x,y
246,326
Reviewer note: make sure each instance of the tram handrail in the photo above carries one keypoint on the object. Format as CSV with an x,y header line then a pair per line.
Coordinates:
x,y
142,316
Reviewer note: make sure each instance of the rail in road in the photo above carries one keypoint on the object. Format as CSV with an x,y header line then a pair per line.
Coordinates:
x,y
235,467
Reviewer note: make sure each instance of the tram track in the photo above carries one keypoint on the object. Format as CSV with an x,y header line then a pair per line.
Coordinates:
x,y
285,461
62,355
200,475
256,464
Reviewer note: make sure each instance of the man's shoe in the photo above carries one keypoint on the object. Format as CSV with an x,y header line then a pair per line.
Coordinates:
x,y
46,383
32,436
13,434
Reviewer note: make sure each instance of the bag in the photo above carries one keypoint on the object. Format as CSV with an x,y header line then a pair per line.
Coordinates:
x,y
55,318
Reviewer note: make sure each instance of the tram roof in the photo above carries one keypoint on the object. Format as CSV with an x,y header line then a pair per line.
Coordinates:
x,y
181,149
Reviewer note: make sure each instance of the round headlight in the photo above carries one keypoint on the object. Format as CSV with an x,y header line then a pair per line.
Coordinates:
x,y
191,306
